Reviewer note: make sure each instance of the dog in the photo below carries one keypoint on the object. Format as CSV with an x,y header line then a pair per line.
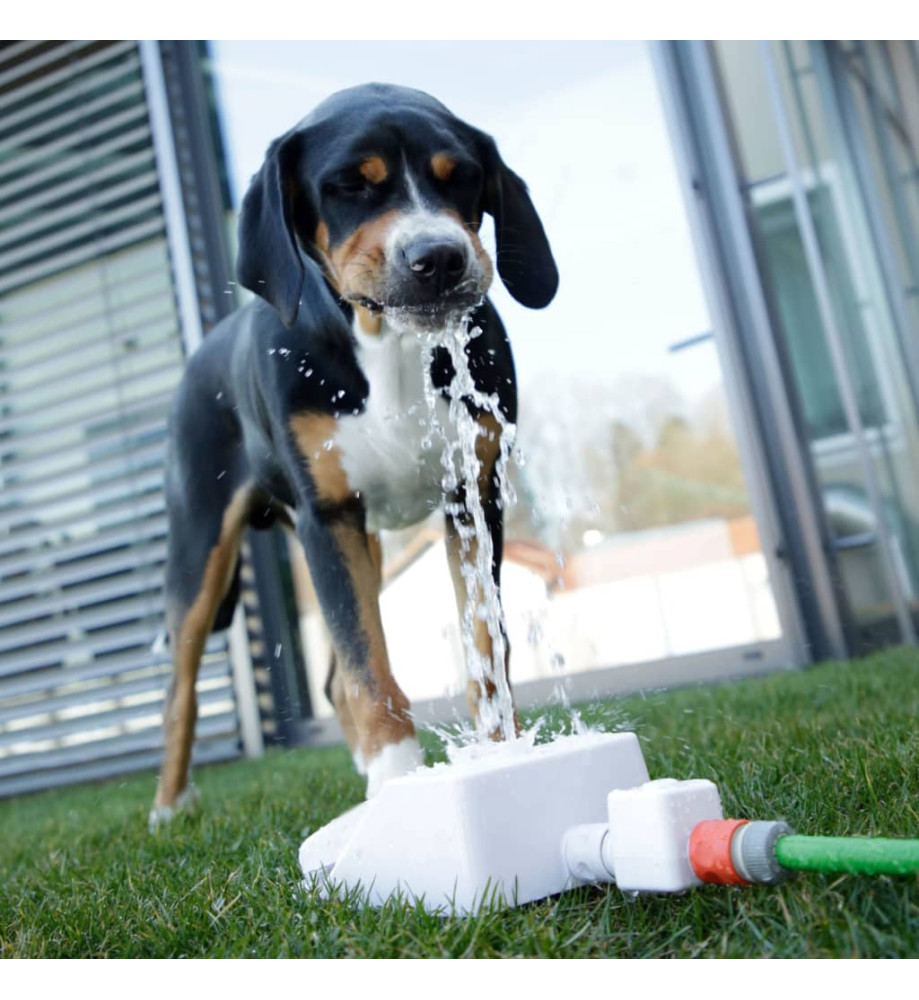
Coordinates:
x,y
359,236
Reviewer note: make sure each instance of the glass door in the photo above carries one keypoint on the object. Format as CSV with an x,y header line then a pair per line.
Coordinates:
x,y
822,214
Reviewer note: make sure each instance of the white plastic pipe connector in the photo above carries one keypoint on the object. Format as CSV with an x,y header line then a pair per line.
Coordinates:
x,y
585,850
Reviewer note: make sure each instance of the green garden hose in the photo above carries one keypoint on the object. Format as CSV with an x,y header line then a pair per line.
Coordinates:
x,y
852,855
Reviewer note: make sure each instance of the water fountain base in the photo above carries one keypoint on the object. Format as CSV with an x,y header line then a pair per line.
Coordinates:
x,y
485,828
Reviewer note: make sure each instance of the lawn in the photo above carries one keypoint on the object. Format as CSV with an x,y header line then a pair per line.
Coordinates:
x,y
833,750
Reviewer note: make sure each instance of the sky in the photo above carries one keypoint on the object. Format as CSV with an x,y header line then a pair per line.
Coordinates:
x,y
582,123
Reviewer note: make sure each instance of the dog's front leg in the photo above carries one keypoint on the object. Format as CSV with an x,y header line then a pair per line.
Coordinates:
x,y
345,567
369,700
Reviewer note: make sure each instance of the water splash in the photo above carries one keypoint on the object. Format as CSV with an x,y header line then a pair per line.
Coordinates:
x,y
461,466
562,695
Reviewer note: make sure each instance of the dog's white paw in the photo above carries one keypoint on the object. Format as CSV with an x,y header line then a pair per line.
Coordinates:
x,y
393,761
186,801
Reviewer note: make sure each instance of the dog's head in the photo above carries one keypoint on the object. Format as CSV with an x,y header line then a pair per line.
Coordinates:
x,y
381,192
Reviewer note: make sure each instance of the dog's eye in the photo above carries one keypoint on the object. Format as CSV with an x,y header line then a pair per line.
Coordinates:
x,y
462,178
349,186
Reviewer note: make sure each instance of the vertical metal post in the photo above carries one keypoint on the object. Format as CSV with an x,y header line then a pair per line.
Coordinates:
x,y
171,187
250,720
834,341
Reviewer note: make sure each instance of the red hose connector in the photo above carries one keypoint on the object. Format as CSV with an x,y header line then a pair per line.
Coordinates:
x,y
710,851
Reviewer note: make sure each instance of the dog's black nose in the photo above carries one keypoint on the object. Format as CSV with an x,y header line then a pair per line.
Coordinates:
x,y
439,262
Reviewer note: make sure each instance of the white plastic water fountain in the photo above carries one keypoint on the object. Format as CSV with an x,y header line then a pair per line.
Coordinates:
x,y
508,823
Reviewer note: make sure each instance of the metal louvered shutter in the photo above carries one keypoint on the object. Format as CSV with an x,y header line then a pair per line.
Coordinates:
x,y
90,352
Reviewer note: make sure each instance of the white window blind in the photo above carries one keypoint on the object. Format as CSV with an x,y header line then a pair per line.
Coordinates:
x,y
90,352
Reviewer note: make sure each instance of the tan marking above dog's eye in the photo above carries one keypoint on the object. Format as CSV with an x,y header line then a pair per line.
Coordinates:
x,y
374,170
443,166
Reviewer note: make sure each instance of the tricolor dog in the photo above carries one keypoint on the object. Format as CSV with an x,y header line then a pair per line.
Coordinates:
x,y
359,236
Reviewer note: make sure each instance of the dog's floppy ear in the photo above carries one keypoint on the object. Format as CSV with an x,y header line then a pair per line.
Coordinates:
x,y
269,261
525,260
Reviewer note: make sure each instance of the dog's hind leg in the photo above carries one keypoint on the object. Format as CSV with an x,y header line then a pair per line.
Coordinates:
x,y
201,568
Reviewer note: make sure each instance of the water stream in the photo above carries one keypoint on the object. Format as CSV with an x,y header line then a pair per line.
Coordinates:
x,y
483,603
461,466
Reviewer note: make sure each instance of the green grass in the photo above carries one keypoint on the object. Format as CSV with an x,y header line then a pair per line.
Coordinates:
x,y
833,750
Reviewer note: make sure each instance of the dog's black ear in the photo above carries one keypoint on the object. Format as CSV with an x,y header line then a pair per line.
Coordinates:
x,y
269,261
525,260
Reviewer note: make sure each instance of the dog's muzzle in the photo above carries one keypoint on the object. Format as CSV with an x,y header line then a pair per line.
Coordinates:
x,y
433,270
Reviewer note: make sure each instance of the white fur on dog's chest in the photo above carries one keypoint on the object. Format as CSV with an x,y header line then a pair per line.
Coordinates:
x,y
388,452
